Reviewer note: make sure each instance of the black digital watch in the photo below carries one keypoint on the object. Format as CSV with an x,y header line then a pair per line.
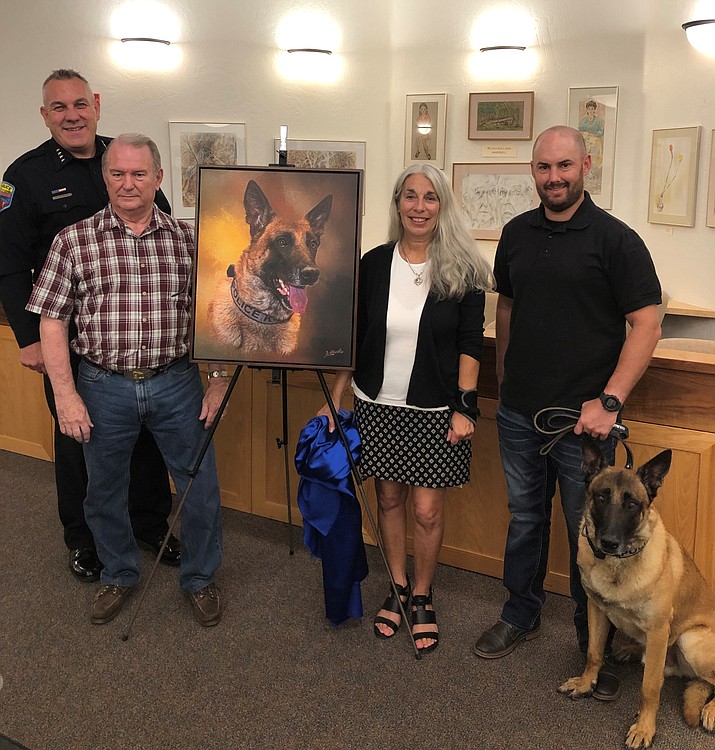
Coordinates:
x,y
610,402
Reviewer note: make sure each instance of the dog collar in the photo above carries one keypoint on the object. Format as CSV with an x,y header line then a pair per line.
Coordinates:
x,y
251,312
601,555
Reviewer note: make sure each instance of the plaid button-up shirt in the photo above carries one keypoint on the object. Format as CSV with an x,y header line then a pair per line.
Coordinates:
x,y
129,295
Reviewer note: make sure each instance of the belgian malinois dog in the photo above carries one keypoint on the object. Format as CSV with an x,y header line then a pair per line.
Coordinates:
x,y
638,577
259,305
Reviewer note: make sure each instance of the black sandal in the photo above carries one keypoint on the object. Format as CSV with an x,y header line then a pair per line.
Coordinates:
x,y
423,616
392,605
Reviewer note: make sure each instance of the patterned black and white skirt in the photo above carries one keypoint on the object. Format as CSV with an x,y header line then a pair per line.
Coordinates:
x,y
410,446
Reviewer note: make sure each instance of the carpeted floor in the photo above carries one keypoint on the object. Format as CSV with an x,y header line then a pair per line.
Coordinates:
x,y
274,674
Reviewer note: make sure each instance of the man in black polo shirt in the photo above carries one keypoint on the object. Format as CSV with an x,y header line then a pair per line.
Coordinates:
x,y
55,185
569,276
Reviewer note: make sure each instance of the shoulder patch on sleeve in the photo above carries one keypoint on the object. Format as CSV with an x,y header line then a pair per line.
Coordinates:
x,y
7,190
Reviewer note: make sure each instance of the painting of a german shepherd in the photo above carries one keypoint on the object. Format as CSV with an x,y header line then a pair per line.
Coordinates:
x,y
258,306
638,577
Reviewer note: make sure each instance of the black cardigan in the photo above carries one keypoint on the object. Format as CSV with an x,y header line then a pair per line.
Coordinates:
x,y
448,328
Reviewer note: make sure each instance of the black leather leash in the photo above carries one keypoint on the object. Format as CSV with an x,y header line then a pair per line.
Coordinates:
x,y
559,420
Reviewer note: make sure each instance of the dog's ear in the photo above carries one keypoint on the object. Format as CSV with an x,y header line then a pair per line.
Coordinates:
x,y
653,472
259,213
593,459
318,216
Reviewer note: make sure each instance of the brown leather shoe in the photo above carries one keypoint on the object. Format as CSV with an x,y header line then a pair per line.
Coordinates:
x,y
108,603
206,605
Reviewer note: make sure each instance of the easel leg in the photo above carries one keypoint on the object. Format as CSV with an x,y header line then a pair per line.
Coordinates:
x,y
361,491
192,475
283,442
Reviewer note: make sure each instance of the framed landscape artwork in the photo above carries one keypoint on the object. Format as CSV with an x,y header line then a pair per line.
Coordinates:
x,y
501,116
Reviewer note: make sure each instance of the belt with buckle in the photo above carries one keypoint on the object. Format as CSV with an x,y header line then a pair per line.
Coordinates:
x,y
141,373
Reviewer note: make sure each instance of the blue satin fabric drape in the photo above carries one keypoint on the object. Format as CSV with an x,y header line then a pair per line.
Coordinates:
x,y
332,520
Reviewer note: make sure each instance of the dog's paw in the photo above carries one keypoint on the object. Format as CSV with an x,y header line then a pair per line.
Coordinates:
x,y
707,716
640,735
577,688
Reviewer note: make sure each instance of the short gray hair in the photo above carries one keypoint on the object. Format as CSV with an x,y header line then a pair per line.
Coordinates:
x,y
64,74
136,140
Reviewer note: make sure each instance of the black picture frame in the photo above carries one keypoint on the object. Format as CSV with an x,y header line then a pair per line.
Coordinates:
x,y
285,304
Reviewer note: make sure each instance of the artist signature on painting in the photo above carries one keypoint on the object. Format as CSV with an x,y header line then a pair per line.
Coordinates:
x,y
333,352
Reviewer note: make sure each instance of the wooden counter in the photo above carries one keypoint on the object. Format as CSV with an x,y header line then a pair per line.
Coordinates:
x,y
673,406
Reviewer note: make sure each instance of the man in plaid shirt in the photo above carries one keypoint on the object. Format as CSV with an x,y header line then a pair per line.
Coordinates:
x,y
124,276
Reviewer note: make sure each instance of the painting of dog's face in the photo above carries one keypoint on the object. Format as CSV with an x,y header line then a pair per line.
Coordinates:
x,y
277,253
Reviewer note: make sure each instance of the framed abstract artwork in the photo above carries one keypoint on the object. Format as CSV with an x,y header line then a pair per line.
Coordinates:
x,y
710,213
674,176
193,144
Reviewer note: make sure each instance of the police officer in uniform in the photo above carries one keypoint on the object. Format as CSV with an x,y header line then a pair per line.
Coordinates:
x,y
55,185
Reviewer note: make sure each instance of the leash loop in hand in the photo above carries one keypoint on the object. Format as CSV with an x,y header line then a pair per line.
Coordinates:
x,y
557,421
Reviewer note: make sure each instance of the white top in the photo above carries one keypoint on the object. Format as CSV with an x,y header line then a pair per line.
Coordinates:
x,y
404,310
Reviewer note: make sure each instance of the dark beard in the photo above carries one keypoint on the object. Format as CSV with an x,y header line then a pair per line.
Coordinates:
x,y
574,191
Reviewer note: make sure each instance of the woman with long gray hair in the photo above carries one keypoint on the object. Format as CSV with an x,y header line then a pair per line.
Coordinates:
x,y
420,322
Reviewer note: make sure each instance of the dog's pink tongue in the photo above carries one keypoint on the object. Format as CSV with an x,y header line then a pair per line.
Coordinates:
x,y
298,298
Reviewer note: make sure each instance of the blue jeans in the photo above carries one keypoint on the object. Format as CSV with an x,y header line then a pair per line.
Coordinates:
x,y
531,483
169,405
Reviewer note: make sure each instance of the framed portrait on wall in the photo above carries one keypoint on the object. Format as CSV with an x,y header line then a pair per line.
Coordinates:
x,y
594,111
425,129
501,116
492,194
275,275
674,176
193,144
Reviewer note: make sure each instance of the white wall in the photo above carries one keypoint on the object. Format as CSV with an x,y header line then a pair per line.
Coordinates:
x,y
390,49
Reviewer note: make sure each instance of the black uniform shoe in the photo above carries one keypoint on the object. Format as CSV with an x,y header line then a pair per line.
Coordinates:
x,y
608,685
172,551
84,564
501,639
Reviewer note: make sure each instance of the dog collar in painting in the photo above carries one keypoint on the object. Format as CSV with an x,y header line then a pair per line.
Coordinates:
x,y
251,312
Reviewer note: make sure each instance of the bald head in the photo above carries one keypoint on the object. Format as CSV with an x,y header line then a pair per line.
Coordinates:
x,y
558,132
559,164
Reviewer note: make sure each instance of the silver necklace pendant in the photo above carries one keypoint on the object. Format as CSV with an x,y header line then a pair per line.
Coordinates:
x,y
418,280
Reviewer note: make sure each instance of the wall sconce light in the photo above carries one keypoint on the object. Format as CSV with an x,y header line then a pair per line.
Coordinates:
x,y
701,35
514,47
144,39
310,50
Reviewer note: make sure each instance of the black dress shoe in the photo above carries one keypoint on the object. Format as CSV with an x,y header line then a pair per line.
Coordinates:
x,y
84,564
172,551
608,685
501,639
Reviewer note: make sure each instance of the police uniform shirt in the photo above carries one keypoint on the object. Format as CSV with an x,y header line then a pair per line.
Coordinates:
x,y
45,190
